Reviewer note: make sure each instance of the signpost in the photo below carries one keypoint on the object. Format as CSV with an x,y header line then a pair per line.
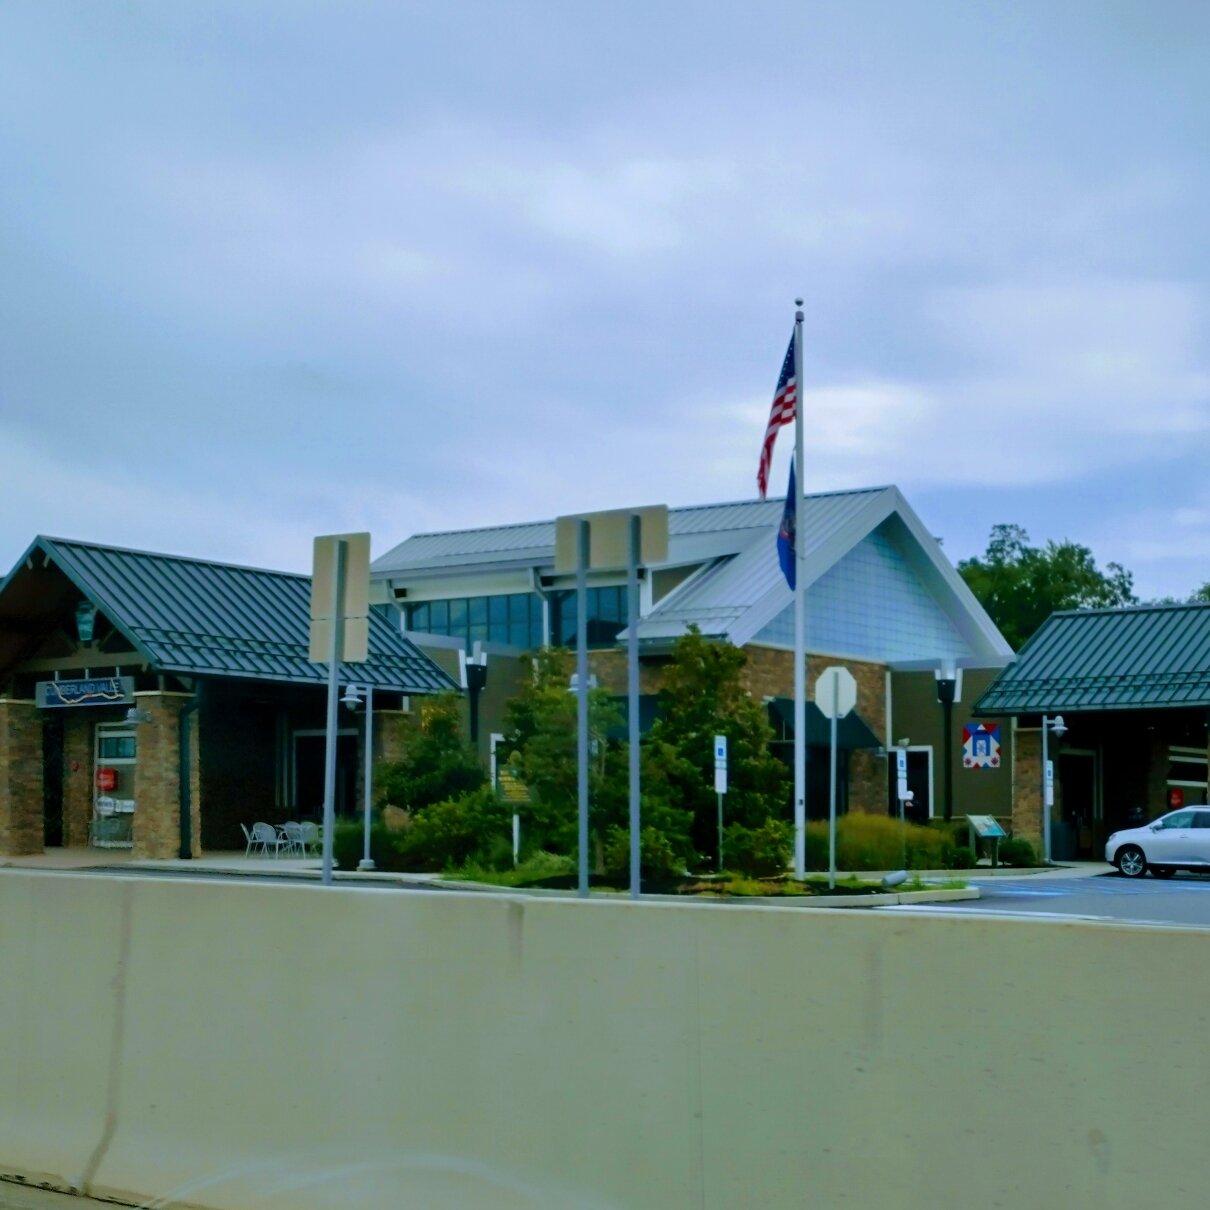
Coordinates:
x,y
835,695
610,541
720,787
340,630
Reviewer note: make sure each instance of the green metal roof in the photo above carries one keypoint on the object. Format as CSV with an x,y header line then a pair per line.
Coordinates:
x,y
200,618
1142,658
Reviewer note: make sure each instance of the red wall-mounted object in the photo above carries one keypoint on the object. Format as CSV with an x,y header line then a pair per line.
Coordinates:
x,y
1176,797
107,779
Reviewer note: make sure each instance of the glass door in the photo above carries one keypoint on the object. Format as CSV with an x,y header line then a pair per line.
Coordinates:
x,y
115,755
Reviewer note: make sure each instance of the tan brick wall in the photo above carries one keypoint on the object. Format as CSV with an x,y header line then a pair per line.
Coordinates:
x,y
20,778
1027,786
157,828
390,735
609,667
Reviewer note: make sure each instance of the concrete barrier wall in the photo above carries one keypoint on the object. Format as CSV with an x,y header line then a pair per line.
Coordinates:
x,y
244,1045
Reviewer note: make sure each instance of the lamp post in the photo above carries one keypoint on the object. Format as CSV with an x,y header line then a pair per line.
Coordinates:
x,y
947,694
1059,727
474,677
352,699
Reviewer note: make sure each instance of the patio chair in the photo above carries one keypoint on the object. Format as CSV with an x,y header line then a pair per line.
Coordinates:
x,y
248,837
293,832
309,835
267,837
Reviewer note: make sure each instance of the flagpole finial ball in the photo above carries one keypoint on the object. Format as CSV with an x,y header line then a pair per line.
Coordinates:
x,y
798,302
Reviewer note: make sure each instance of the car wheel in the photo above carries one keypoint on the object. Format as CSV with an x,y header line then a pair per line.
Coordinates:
x,y
1160,871
1131,861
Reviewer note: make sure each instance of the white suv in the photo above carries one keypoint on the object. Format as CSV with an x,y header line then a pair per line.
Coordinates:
x,y
1179,840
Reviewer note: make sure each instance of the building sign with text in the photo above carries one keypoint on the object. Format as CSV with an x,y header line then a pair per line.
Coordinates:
x,y
95,691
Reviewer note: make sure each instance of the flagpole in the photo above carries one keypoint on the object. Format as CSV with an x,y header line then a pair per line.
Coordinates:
x,y
800,616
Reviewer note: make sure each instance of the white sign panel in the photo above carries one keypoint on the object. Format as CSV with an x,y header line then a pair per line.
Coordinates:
x,y
1050,783
354,605
835,691
720,764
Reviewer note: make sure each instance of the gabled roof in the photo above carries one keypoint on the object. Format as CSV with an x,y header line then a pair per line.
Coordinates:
x,y
1139,658
738,588
200,618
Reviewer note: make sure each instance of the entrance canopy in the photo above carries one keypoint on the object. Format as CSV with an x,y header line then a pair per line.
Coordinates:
x,y
851,731
1143,658
196,618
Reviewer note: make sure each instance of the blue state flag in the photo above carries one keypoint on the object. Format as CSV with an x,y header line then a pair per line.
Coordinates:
x,y
786,533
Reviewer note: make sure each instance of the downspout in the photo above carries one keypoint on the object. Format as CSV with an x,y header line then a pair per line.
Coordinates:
x,y
185,773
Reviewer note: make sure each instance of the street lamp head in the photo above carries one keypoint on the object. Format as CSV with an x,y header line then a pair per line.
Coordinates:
x,y
135,716
352,697
1058,726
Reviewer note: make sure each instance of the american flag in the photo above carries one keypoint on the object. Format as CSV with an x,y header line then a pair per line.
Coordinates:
x,y
785,403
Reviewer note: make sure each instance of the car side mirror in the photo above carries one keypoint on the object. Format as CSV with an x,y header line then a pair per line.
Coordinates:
x,y
1155,827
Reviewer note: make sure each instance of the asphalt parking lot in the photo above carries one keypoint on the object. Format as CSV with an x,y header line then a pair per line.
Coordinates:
x,y
1183,899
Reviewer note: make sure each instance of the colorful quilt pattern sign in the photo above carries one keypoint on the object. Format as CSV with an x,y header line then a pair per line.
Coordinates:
x,y
981,746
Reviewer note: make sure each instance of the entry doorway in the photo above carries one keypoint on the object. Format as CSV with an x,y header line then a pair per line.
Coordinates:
x,y
307,785
52,779
919,781
1079,834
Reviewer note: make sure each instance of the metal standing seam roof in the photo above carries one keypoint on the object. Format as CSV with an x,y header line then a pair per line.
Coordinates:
x,y
535,541
1141,657
738,588
202,618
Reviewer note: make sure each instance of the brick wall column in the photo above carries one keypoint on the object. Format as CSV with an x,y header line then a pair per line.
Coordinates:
x,y
157,784
1027,786
21,827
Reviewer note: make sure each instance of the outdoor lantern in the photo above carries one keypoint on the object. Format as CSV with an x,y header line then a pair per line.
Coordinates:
x,y
352,697
134,716
86,621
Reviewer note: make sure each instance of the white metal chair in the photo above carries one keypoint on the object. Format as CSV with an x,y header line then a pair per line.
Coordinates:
x,y
248,837
309,836
267,837
293,833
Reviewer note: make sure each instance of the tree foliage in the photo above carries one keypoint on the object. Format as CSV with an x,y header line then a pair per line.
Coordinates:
x,y
1021,585
703,696
438,763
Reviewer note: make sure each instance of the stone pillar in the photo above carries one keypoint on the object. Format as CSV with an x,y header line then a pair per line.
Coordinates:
x,y
157,784
1027,786
21,827
78,730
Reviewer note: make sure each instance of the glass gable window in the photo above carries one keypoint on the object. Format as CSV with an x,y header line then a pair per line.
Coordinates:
x,y
606,616
515,618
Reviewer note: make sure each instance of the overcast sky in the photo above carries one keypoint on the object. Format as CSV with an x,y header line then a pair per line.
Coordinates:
x,y
273,269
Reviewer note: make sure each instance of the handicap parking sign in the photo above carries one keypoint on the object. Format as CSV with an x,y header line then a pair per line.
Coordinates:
x,y
981,746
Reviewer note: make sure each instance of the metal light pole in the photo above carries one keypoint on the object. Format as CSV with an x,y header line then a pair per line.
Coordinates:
x,y
335,657
947,685
1056,725
634,545
352,699
582,703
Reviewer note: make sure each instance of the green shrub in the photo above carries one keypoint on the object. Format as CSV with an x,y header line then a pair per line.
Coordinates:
x,y
658,861
475,827
348,845
759,852
878,842
959,857
1017,852
438,763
